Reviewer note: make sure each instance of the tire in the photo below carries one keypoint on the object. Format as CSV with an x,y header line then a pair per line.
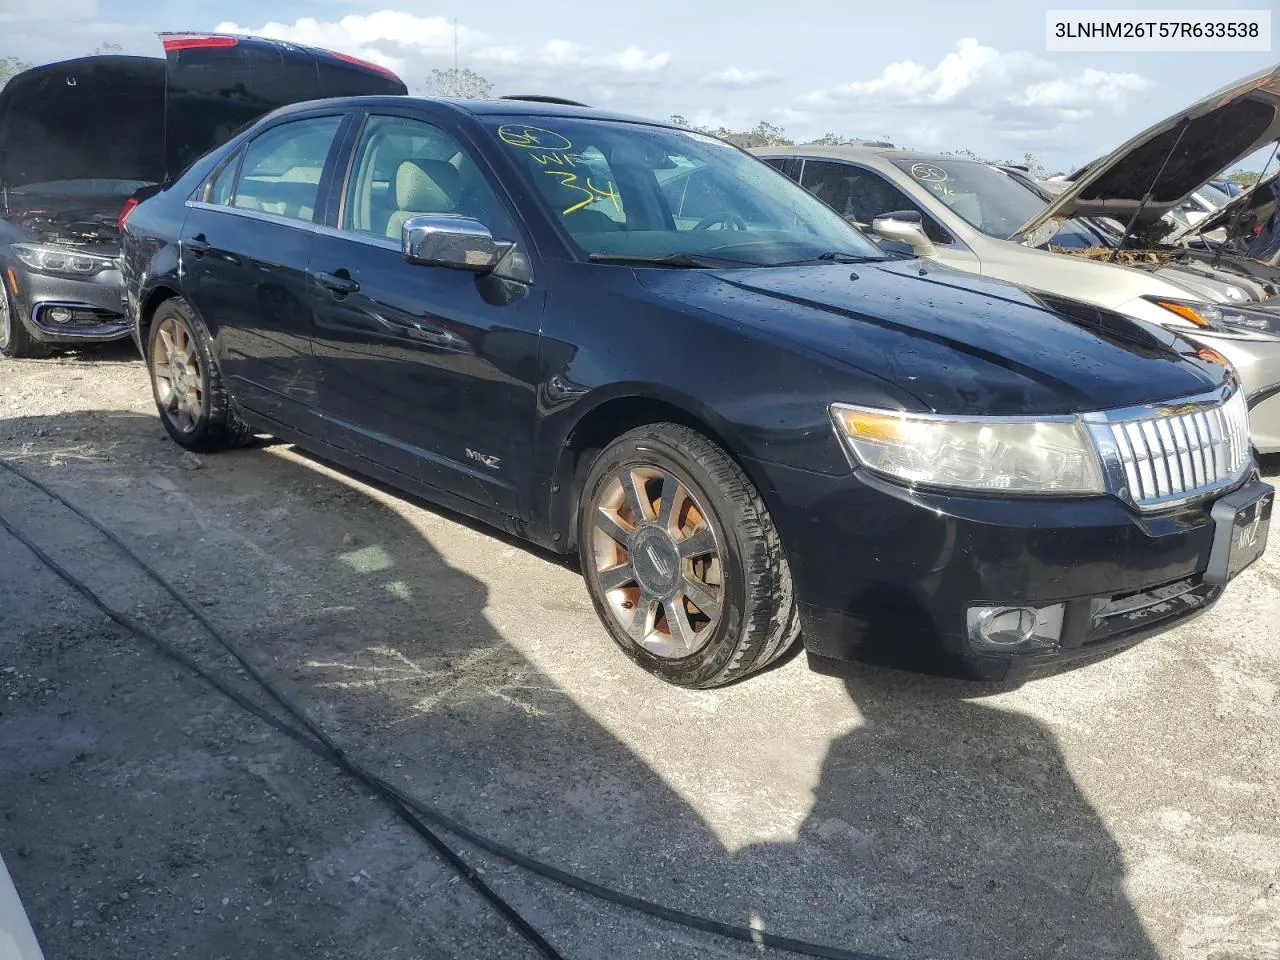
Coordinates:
x,y
705,540
191,398
16,341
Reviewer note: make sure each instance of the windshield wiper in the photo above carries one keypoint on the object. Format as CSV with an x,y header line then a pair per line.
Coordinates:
x,y
690,261
836,256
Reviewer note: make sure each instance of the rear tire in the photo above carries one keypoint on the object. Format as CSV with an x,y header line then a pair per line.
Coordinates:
x,y
16,341
682,560
191,398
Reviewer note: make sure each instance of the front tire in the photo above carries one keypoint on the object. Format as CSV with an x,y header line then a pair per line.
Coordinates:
x,y
682,559
190,395
16,341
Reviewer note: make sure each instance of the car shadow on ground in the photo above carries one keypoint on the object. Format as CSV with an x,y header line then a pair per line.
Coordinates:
x,y
472,673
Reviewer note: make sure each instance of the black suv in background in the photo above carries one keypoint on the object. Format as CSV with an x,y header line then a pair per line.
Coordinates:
x,y
80,137
638,343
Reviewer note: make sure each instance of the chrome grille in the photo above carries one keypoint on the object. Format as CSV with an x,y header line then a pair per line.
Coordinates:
x,y
1177,452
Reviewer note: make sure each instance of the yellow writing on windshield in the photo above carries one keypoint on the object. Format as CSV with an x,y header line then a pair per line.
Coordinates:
x,y
589,191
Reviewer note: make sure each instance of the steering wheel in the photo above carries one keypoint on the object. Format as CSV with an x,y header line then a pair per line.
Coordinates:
x,y
731,221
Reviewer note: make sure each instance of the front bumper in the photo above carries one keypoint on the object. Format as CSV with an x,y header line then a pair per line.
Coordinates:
x,y
887,574
94,304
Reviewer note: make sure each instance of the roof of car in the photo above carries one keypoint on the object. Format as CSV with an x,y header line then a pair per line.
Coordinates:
x,y
503,108
853,151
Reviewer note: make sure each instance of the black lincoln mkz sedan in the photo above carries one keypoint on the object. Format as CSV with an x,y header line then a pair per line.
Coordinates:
x,y
638,343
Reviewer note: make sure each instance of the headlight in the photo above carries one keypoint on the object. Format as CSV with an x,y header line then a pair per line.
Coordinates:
x,y
1224,319
49,258
1007,454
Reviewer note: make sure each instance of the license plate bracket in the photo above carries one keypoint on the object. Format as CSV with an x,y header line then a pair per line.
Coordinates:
x,y
1241,521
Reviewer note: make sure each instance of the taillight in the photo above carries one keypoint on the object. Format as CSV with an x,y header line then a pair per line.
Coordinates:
x,y
366,64
125,211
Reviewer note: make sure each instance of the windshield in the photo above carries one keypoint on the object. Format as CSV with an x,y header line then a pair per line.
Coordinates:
x,y
985,197
1216,197
633,191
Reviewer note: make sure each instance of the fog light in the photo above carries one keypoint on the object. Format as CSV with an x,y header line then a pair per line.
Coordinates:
x,y
60,315
1010,628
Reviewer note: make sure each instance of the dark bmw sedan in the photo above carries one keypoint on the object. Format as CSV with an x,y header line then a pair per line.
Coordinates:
x,y
749,423
79,138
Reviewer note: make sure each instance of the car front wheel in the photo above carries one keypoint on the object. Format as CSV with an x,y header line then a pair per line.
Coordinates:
x,y
15,341
682,559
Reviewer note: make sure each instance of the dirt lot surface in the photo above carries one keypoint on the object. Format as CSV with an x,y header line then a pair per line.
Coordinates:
x,y
1130,809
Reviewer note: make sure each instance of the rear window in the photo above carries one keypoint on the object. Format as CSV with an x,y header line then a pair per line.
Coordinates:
x,y
282,168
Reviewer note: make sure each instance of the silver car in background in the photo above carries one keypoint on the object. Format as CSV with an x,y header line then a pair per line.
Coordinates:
x,y
973,217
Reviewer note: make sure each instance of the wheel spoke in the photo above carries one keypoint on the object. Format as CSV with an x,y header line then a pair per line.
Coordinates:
x,y
639,511
166,341
698,543
615,577
678,624
672,493
701,597
180,339
612,526
646,612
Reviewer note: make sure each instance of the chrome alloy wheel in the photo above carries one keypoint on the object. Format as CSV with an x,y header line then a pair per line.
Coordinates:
x,y
657,560
179,381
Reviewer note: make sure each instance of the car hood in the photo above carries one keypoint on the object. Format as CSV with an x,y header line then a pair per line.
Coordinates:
x,y
1176,155
958,343
146,118
1258,203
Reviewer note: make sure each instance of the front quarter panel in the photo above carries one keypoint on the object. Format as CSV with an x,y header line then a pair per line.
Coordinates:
x,y
607,340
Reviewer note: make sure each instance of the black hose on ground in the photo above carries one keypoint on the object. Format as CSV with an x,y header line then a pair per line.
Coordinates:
x,y
410,809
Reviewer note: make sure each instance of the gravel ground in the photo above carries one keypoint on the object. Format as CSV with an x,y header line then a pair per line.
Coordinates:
x,y
1129,809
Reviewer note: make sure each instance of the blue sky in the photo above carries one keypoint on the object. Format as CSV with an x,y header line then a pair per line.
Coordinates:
x,y
931,75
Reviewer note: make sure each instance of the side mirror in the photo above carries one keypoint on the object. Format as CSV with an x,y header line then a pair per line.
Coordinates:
x,y
904,226
447,241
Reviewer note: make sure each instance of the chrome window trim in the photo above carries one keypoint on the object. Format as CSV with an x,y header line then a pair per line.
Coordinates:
x,y
385,243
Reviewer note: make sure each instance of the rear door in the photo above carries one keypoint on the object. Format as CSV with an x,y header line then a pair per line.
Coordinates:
x,y
245,246
426,370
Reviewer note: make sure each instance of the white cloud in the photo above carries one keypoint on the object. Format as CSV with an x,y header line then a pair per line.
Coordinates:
x,y
23,11
740,79
982,78
411,45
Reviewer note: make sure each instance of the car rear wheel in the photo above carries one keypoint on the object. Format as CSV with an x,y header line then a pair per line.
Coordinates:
x,y
682,559
15,340
192,400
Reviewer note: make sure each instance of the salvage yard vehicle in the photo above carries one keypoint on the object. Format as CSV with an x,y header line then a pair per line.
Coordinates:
x,y
633,342
976,218
79,138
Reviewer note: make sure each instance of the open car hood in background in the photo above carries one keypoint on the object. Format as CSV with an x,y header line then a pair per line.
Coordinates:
x,y
219,83
94,118
144,118
1220,130
1258,199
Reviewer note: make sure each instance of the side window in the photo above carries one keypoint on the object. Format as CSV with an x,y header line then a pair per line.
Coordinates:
x,y
407,168
223,181
788,166
860,195
282,168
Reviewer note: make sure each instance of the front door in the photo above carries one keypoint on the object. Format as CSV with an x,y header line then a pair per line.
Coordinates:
x,y
245,247
426,370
